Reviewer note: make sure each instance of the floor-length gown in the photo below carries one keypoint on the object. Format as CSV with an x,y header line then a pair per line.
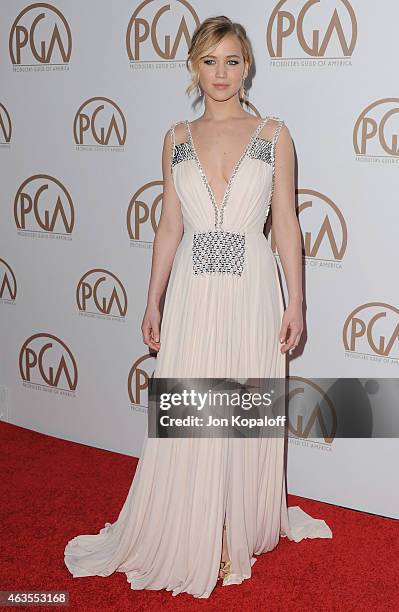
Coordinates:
x,y
222,316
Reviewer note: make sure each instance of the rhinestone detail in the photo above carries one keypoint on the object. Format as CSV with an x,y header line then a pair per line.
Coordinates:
x,y
218,251
219,210
182,152
179,153
262,149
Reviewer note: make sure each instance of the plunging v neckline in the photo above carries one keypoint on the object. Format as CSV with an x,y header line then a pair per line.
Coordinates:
x,y
219,207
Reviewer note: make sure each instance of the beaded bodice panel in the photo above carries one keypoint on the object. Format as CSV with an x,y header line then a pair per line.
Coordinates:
x,y
247,200
260,149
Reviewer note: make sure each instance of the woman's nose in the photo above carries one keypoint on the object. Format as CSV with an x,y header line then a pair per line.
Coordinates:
x,y
220,70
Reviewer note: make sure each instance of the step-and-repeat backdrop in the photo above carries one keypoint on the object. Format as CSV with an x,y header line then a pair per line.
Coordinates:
x,y
88,90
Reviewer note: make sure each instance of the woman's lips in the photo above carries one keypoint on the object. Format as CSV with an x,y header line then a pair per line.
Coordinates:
x,y
220,86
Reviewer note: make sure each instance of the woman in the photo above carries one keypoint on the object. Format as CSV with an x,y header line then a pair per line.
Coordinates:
x,y
199,509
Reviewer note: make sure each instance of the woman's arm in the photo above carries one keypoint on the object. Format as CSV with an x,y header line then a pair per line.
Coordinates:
x,y
167,238
287,236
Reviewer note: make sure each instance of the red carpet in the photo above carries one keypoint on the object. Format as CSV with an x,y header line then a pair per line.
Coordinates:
x,y
53,490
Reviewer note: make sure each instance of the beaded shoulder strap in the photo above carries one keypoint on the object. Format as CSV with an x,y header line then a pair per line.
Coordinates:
x,y
173,140
277,131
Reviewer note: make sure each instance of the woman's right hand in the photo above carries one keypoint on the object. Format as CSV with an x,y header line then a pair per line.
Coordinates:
x,y
150,327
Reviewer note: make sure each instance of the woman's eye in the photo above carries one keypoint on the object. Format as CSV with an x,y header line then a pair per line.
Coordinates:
x,y
208,61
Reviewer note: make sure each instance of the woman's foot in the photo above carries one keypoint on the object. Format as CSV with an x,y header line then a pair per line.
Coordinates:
x,y
225,569
225,564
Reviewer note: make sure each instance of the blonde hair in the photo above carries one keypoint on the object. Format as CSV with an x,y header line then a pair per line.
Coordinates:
x,y
206,37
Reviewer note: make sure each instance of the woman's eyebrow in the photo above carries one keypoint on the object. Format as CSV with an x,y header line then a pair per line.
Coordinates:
x,y
231,55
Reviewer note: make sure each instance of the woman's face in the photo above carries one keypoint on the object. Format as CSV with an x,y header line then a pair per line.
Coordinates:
x,y
221,72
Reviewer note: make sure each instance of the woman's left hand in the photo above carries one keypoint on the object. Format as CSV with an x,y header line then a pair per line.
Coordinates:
x,y
291,327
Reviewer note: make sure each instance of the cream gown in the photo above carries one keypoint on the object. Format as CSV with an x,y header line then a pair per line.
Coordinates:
x,y
221,318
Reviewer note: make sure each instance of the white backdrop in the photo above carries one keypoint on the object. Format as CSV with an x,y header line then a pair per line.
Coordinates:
x,y
88,90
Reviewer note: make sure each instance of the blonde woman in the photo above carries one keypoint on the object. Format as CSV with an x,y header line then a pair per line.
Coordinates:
x,y
200,509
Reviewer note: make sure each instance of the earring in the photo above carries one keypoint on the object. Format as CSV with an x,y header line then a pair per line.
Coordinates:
x,y
243,88
199,91
243,91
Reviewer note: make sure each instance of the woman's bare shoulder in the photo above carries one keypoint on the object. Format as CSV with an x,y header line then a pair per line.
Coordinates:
x,y
180,131
274,126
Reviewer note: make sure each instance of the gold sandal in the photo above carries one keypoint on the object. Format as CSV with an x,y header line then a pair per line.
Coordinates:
x,y
225,568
